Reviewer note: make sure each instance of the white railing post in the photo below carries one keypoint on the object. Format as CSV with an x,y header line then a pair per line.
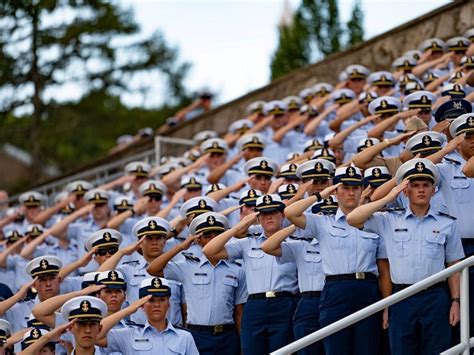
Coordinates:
x,y
464,310
157,150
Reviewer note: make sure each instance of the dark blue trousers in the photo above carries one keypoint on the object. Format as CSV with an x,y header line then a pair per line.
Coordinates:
x,y
420,324
267,325
342,298
468,246
306,321
209,343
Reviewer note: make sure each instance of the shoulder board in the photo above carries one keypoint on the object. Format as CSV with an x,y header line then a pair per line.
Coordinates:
x,y
132,262
237,263
191,257
234,197
395,209
447,215
133,324
452,161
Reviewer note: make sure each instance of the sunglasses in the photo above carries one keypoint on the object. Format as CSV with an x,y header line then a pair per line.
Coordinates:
x,y
104,252
155,197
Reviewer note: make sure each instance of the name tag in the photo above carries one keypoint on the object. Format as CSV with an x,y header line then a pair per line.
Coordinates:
x,y
401,230
231,277
144,339
460,177
200,274
139,275
312,252
337,227
256,248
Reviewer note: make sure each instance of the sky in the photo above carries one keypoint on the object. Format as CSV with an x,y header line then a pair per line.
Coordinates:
x,y
230,43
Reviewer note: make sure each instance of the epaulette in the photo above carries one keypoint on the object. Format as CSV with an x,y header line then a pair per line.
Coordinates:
x,y
395,209
133,324
447,215
131,262
191,257
452,161
253,235
237,263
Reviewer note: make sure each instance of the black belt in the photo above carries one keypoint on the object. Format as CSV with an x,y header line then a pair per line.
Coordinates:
x,y
468,241
309,294
269,294
399,287
216,329
356,276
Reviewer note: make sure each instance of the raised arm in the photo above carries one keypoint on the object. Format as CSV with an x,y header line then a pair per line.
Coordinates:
x,y
216,174
220,194
365,157
313,125
163,213
295,211
157,266
272,245
4,255
419,70
340,137
452,145
44,311
112,262
83,261
343,113
51,336
60,228
362,213
215,249
43,216
382,127
280,134
17,297
109,322
468,169
28,250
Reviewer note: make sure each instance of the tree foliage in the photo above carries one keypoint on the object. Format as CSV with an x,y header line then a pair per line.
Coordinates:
x,y
317,32
90,45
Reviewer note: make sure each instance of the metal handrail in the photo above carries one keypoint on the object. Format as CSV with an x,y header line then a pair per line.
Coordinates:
x,y
395,298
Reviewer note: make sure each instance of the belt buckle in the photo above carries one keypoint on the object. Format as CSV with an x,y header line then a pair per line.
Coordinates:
x,y
360,275
270,294
218,329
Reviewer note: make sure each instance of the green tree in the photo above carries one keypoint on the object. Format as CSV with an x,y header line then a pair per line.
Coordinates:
x,y
293,48
45,44
317,32
355,25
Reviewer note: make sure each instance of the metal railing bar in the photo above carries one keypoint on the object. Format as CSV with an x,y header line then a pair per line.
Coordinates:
x,y
374,308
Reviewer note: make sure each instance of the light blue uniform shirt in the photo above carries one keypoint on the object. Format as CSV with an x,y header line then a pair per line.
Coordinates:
x,y
417,247
458,192
211,292
307,256
134,274
262,271
148,340
79,232
344,249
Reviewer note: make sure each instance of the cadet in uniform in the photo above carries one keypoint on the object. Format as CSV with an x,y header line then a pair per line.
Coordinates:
x,y
87,312
419,241
215,290
267,322
157,335
305,252
351,263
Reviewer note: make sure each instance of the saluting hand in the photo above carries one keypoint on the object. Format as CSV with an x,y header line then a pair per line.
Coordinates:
x,y
397,189
328,191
